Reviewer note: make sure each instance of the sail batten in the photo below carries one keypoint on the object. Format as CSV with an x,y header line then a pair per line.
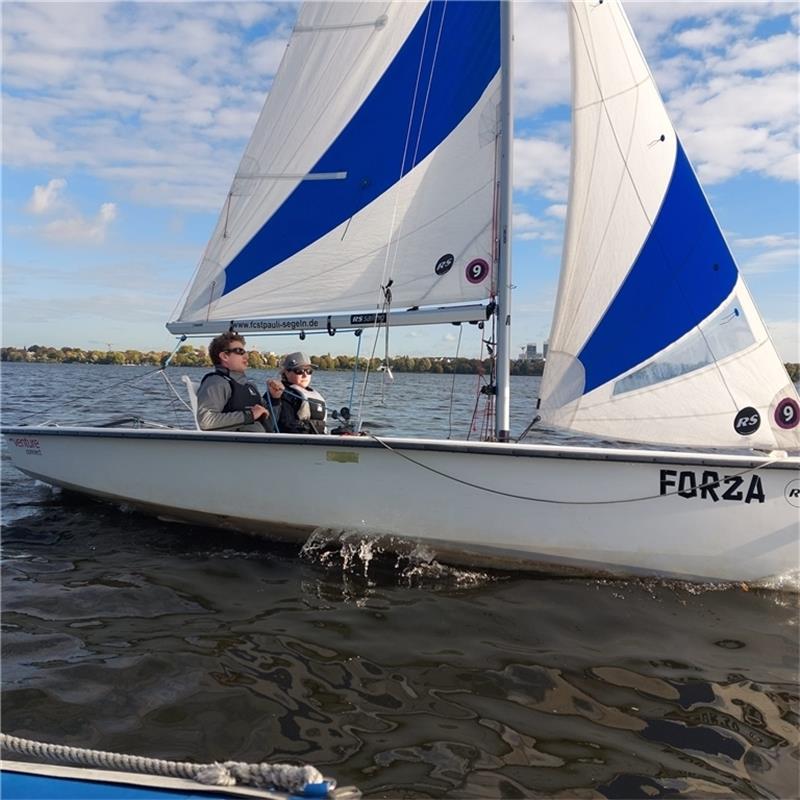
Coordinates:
x,y
655,338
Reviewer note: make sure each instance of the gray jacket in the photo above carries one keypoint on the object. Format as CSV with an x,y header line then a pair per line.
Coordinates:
x,y
212,396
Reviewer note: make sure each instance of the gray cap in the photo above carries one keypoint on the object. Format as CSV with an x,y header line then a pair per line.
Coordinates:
x,y
296,360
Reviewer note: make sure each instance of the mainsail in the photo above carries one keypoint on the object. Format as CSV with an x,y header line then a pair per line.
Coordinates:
x,y
373,161
655,338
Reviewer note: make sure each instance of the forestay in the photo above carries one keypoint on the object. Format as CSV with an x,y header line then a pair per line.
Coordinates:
x,y
655,337
373,160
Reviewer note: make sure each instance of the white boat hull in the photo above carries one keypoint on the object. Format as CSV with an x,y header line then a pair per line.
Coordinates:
x,y
564,510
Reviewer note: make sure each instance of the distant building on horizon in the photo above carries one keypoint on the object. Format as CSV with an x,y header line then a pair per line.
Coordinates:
x,y
530,352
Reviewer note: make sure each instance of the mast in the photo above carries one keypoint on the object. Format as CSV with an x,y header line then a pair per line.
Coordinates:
x,y
503,352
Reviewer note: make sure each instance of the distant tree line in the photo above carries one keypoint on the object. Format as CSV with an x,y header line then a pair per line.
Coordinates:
x,y
188,356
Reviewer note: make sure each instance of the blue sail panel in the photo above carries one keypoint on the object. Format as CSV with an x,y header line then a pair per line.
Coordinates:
x,y
682,273
436,78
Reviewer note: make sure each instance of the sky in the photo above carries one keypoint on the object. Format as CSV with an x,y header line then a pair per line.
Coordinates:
x,y
123,124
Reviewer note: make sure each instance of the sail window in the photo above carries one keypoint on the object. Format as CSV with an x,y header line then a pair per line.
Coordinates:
x,y
722,335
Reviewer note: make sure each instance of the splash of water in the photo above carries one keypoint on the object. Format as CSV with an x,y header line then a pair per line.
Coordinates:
x,y
358,554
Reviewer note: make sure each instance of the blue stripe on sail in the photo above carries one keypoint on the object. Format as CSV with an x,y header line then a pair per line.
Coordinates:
x,y
682,273
464,58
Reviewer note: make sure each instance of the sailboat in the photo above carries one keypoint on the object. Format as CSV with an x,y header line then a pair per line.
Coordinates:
x,y
375,191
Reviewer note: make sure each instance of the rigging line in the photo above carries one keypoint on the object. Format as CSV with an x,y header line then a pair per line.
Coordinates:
x,y
495,232
392,252
272,416
387,293
362,397
106,388
489,412
355,370
174,391
416,91
103,389
453,385
434,59
479,376
490,490
172,403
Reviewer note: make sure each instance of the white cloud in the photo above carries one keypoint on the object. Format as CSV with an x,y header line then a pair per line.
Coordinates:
x,y
121,87
542,165
777,52
157,99
265,56
109,87
768,240
712,34
527,227
732,94
779,259
541,56
78,230
46,198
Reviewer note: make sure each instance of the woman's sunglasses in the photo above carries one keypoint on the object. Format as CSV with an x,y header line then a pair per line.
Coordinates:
x,y
240,351
308,371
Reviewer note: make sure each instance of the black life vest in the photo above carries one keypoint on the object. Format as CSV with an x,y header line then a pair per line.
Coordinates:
x,y
308,407
243,395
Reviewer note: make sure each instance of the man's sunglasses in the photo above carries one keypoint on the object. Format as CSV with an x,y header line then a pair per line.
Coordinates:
x,y
307,371
240,351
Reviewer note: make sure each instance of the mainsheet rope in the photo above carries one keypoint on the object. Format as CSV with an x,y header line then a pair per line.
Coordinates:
x,y
552,501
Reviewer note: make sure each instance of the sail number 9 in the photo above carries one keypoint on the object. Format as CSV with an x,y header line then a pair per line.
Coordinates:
x,y
477,270
787,413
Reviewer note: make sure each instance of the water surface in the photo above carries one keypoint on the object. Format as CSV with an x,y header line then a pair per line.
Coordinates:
x,y
402,676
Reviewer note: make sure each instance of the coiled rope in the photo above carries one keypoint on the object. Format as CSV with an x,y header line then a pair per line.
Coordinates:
x,y
285,777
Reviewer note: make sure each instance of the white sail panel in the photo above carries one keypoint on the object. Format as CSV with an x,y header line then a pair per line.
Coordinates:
x,y
402,234
369,163
667,400
655,337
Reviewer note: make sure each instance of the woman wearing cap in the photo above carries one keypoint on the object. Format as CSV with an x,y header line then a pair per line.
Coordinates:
x,y
296,407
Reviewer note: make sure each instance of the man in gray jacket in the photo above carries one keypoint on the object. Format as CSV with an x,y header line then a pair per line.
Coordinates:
x,y
226,400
